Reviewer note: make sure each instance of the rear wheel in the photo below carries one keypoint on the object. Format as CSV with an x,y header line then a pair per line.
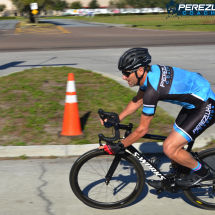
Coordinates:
x,y
204,197
87,180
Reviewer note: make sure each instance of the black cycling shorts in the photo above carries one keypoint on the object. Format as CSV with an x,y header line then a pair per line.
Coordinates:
x,y
190,123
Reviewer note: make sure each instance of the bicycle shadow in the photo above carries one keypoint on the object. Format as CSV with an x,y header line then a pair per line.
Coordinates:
x,y
150,148
173,196
163,160
141,196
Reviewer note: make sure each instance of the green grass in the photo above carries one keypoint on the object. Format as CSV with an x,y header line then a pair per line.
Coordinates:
x,y
23,157
159,22
7,17
32,106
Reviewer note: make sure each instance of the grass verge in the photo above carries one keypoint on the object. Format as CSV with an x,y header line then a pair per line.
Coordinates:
x,y
32,106
159,22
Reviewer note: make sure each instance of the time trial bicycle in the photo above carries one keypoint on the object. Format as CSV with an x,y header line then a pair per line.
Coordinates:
x,y
106,181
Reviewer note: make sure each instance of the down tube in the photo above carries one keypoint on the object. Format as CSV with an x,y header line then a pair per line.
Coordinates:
x,y
146,162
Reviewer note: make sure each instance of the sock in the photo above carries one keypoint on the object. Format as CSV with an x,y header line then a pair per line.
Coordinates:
x,y
200,170
173,168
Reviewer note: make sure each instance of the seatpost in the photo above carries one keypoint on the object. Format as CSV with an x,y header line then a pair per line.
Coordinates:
x,y
190,146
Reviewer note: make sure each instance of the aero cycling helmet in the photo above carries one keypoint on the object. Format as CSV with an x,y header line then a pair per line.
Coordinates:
x,y
134,58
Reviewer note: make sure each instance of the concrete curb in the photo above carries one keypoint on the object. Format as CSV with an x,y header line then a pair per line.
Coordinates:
x,y
149,148
68,150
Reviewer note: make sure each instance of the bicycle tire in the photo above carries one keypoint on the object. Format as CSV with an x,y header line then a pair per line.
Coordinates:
x,y
95,163
201,196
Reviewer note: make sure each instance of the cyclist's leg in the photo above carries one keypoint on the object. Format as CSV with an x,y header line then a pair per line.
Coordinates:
x,y
174,165
183,114
198,120
190,124
173,148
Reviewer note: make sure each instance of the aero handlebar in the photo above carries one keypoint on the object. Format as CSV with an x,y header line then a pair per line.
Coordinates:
x,y
112,120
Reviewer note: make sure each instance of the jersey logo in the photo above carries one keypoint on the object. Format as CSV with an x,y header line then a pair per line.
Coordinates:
x,y
166,78
206,118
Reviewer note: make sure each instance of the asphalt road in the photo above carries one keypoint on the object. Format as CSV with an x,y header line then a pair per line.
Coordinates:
x,y
41,186
101,36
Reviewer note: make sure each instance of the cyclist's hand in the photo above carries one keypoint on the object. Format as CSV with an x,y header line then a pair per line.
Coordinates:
x,y
102,122
113,148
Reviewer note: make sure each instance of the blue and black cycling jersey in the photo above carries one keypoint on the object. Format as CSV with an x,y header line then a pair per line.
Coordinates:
x,y
174,85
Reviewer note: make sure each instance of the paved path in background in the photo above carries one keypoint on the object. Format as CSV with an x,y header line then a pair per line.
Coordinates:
x,y
41,186
8,24
69,23
97,37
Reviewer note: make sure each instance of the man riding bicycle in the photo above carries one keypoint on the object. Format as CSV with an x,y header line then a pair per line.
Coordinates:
x,y
174,85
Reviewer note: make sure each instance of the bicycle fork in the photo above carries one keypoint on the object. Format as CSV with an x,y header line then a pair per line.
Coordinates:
x,y
112,168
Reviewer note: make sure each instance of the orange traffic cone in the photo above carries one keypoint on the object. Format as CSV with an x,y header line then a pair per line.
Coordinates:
x,y
71,120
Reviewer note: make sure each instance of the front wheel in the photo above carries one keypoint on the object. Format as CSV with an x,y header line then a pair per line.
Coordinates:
x,y
87,180
204,197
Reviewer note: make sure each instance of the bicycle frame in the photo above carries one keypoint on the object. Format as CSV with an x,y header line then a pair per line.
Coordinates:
x,y
113,121
142,159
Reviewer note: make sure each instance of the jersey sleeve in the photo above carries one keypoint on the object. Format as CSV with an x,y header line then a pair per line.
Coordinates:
x,y
150,100
142,88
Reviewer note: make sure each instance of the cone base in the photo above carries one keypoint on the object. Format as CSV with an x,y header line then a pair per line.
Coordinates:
x,y
62,134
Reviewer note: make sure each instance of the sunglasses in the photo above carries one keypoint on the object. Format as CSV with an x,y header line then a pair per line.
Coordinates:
x,y
127,74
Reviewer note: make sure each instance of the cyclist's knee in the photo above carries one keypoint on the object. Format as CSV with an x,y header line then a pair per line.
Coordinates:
x,y
167,149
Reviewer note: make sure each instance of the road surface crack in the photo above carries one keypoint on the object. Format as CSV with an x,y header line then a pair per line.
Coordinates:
x,y
41,193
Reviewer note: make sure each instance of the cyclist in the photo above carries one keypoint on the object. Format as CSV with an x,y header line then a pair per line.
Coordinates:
x,y
174,85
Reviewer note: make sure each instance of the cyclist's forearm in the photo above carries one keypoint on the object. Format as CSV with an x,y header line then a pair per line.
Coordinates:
x,y
131,108
134,137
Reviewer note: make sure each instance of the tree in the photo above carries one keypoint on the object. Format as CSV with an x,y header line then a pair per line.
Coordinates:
x,y
60,5
2,7
24,5
76,5
117,3
137,3
94,4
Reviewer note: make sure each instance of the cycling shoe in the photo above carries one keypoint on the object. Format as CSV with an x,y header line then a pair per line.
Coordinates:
x,y
157,183
154,183
193,179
